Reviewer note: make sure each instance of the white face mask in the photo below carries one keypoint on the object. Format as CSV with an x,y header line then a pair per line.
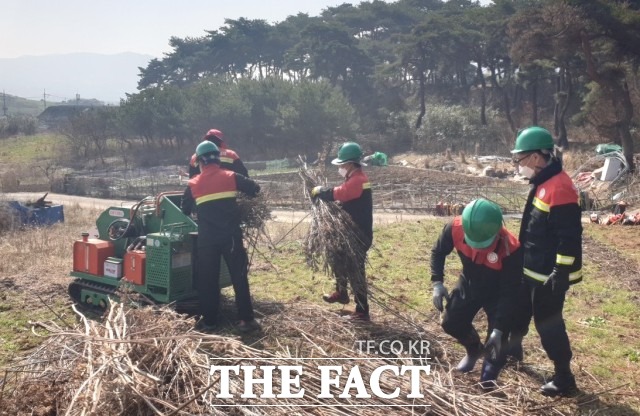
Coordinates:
x,y
343,172
526,171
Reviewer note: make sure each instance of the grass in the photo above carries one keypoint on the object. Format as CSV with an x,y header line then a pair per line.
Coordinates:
x,y
15,327
601,314
34,269
623,239
31,149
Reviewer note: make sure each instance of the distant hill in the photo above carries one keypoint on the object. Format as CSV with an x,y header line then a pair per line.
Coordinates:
x,y
17,106
103,77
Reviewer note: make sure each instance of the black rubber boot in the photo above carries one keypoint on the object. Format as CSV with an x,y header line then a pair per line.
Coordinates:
x,y
469,361
515,348
562,384
489,375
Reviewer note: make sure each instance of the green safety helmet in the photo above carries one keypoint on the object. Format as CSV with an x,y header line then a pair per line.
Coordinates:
x,y
533,138
348,152
206,147
481,221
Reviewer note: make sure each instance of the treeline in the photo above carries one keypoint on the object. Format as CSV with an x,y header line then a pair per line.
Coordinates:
x,y
404,75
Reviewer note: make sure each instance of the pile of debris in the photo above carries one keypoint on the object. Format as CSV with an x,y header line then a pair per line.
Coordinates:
x,y
149,361
599,178
619,216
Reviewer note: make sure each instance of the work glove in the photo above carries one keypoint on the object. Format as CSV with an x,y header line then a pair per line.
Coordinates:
x,y
493,346
316,191
439,293
559,281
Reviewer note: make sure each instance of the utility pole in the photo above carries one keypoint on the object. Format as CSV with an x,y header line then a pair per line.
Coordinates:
x,y
44,98
4,103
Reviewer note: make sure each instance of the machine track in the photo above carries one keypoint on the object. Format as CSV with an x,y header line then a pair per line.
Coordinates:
x,y
76,287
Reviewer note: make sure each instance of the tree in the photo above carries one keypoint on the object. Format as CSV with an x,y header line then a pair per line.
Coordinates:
x,y
317,116
610,43
543,44
89,130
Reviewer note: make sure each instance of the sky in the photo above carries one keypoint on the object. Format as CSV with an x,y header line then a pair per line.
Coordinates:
x,y
44,27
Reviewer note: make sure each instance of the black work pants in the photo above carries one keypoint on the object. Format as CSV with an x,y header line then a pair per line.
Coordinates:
x,y
209,259
357,282
464,303
538,301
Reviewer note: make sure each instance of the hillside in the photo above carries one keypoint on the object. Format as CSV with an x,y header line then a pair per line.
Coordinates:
x,y
18,106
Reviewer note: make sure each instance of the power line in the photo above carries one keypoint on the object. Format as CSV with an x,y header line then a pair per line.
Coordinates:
x,y
4,103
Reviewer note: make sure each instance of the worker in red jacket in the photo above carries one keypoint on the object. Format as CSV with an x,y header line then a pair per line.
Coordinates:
x,y
228,158
491,273
213,195
551,234
356,199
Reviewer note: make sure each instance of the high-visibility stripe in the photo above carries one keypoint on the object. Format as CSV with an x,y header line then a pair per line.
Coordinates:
x,y
575,275
542,206
213,197
543,277
366,185
226,160
564,260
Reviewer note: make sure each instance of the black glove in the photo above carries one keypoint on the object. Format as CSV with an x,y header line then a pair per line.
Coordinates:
x,y
559,281
493,346
439,293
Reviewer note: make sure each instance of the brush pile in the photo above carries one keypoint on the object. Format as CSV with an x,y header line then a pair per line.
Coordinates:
x,y
148,361
254,212
333,243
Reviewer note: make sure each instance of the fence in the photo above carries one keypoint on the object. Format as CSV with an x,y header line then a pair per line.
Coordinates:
x,y
394,188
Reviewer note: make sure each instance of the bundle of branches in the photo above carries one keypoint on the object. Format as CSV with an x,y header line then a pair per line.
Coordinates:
x,y
137,362
149,362
254,212
333,242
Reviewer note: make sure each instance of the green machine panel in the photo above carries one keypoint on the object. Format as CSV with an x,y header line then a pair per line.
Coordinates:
x,y
169,268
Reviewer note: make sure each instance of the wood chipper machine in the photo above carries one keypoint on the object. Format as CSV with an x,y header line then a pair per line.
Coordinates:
x,y
149,248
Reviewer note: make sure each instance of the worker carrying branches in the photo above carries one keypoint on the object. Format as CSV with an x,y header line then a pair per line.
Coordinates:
x,y
551,234
355,198
213,192
228,158
491,273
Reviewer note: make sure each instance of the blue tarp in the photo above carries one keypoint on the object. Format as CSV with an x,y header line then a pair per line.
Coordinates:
x,y
38,216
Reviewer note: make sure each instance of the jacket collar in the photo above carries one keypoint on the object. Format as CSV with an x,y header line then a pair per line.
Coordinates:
x,y
547,172
354,172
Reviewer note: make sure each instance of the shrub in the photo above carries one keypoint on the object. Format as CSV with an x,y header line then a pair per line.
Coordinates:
x,y
459,129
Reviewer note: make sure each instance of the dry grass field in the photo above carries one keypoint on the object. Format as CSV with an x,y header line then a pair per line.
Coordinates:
x,y
149,361
601,314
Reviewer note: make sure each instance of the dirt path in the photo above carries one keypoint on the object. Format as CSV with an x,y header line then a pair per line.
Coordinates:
x,y
621,271
279,215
